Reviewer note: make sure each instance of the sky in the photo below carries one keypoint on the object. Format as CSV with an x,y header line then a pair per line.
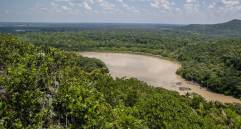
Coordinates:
x,y
121,11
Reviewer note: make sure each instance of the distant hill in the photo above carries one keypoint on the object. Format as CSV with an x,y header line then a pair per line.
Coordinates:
x,y
230,28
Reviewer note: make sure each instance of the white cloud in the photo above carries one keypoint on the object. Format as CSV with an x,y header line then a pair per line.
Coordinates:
x,y
196,10
226,6
55,7
65,7
128,7
107,5
87,6
91,1
99,1
212,5
61,5
231,3
162,4
192,6
190,1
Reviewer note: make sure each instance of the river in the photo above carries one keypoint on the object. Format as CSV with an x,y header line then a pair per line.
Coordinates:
x,y
156,72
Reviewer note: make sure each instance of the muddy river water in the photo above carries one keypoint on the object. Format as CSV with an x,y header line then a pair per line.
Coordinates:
x,y
156,72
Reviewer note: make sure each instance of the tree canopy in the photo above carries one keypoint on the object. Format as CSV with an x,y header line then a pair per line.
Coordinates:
x,y
44,87
213,62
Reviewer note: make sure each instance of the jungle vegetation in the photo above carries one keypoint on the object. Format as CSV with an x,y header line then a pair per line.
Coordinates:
x,y
213,62
45,87
230,28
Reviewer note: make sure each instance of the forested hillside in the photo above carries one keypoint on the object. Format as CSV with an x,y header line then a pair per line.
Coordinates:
x,y
43,87
230,28
212,62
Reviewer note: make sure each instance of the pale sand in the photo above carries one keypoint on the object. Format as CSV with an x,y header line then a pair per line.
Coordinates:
x,y
155,71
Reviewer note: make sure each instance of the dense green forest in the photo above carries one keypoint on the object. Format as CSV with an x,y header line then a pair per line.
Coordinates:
x,y
213,62
42,87
230,28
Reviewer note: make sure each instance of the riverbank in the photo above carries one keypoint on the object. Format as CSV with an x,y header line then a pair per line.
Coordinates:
x,y
156,71
136,53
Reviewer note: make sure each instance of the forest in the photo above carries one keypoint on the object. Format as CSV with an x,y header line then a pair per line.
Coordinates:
x,y
214,62
229,28
45,87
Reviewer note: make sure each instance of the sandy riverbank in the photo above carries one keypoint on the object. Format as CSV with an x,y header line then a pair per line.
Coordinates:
x,y
155,71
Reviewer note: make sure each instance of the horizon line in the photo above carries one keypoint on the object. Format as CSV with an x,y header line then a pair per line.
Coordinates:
x,y
154,23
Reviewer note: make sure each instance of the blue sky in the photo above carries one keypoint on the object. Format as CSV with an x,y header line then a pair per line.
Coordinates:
x,y
120,11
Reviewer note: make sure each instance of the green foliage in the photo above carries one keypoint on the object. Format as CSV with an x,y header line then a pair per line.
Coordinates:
x,y
230,28
47,88
212,62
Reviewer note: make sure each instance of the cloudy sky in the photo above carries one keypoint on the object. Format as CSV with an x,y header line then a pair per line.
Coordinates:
x,y
127,11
